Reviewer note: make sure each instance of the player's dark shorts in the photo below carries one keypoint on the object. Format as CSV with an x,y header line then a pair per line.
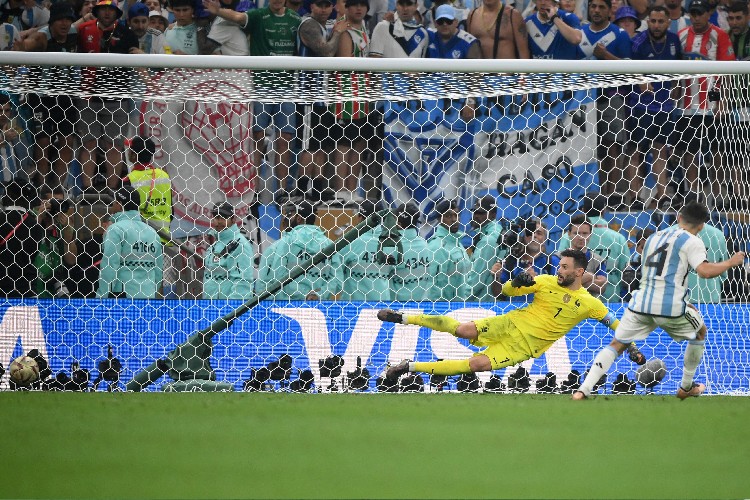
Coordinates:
x,y
646,128
53,115
347,132
612,113
694,134
315,128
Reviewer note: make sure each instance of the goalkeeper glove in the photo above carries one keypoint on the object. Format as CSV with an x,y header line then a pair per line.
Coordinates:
x,y
635,355
522,280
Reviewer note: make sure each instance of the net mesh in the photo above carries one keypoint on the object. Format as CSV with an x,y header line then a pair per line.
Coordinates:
x,y
482,174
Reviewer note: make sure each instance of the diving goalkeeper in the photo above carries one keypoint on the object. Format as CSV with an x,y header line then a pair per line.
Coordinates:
x,y
559,304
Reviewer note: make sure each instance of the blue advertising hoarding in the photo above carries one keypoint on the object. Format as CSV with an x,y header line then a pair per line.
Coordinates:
x,y
142,331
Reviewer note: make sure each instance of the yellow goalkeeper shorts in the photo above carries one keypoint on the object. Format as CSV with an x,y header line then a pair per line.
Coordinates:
x,y
505,344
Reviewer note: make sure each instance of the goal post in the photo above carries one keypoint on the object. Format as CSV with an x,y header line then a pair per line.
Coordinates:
x,y
521,142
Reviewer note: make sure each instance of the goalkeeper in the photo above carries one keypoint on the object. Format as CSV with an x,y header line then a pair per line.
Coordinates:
x,y
559,304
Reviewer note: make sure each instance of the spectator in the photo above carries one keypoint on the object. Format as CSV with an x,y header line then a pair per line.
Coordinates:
x,y
650,124
354,118
317,36
83,8
20,234
11,148
487,247
627,20
132,259
228,262
570,7
54,116
181,37
734,126
11,37
157,21
365,271
527,253
452,263
448,41
678,16
103,120
273,32
595,277
501,31
720,14
299,244
414,272
224,37
553,33
157,6
23,15
57,251
150,40
404,36
604,40
605,242
695,130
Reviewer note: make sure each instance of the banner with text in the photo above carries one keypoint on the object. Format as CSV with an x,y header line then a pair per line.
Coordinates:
x,y
143,331
535,153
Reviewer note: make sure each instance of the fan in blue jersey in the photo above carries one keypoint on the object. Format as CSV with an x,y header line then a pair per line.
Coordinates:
x,y
604,40
601,34
662,298
678,16
448,41
553,32
650,124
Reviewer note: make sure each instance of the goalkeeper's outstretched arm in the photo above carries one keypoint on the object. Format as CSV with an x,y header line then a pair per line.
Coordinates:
x,y
523,284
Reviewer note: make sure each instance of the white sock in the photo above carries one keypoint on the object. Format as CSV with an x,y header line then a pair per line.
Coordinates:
x,y
693,356
599,367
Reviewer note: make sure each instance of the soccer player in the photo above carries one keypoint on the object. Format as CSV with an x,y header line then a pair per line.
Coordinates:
x,y
559,304
660,301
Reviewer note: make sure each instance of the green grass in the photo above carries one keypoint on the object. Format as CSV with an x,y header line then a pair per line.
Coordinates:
x,y
358,445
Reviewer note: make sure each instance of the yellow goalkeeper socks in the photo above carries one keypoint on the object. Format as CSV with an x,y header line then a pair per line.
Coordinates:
x,y
445,367
439,323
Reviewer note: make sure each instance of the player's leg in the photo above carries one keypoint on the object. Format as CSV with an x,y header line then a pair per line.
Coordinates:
x,y
440,323
480,362
632,327
689,327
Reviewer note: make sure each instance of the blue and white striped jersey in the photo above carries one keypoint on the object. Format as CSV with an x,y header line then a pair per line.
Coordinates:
x,y
668,256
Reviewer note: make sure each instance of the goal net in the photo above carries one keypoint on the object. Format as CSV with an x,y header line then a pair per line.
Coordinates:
x,y
146,198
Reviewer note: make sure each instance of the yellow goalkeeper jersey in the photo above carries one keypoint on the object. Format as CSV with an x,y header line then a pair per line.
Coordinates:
x,y
555,309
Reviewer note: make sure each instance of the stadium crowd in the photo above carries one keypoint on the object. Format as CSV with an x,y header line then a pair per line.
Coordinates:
x,y
639,128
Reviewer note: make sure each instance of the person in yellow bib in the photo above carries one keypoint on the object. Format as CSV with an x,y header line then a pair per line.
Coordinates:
x,y
152,183
155,189
560,303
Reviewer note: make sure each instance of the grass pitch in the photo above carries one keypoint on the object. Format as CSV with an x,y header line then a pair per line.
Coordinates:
x,y
98,445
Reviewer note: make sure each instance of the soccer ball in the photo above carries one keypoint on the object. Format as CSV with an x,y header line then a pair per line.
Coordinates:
x,y
24,370
651,373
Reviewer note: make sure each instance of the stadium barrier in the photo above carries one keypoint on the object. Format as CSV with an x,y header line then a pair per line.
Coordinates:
x,y
140,331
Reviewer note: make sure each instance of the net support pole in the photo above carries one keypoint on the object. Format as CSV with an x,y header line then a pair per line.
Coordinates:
x,y
193,355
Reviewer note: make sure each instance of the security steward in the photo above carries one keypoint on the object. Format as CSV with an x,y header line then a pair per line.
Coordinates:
x,y
132,256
